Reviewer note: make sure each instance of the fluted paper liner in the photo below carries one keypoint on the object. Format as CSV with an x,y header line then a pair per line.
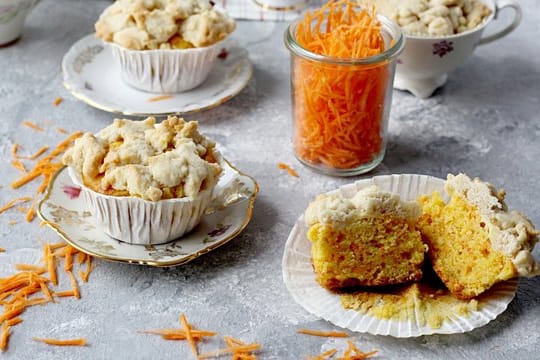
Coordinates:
x,y
141,222
166,71
300,280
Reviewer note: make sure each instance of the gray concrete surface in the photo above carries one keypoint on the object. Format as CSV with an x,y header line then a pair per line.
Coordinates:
x,y
485,122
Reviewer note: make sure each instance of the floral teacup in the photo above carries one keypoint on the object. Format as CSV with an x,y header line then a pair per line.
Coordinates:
x,y
12,16
425,62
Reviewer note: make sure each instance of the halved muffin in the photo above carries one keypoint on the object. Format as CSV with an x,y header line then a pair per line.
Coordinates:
x,y
368,240
474,241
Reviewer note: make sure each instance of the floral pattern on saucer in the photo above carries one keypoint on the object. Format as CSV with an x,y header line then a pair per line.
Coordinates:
x,y
64,211
91,76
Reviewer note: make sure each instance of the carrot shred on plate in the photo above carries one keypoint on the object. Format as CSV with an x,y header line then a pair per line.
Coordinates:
x,y
339,109
2,250
160,98
58,101
340,334
59,342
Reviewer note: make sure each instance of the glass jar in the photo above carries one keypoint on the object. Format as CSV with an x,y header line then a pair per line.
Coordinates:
x,y
340,107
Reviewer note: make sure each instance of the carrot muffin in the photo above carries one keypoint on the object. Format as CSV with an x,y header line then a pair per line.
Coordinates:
x,y
164,46
146,183
146,160
474,241
163,24
367,240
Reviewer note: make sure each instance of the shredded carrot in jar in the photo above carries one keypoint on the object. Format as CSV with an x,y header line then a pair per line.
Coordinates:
x,y
339,109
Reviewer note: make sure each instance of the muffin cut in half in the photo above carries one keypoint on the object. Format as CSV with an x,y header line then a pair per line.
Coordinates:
x,y
368,240
474,241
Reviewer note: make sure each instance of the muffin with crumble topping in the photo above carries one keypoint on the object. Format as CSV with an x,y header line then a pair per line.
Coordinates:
x,y
147,183
164,46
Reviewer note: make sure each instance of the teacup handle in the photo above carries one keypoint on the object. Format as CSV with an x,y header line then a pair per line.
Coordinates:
x,y
499,6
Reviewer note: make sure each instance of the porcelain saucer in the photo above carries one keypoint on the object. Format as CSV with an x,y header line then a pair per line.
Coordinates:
x,y
91,76
65,212
300,280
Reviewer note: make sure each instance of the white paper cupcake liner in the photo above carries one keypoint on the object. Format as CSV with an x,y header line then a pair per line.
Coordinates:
x,y
141,222
300,279
166,71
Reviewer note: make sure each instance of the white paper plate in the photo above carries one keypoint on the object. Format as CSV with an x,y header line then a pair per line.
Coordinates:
x,y
300,280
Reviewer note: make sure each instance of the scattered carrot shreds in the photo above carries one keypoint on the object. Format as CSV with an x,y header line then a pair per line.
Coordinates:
x,y
68,263
179,334
62,131
74,285
57,101
84,275
4,336
353,353
45,167
30,267
58,245
17,164
14,202
160,98
58,342
289,169
340,334
37,154
31,125
51,266
235,347
65,293
14,149
14,321
81,257
324,356
339,109
189,336
28,287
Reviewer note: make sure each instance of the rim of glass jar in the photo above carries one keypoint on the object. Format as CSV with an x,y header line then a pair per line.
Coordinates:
x,y
389,54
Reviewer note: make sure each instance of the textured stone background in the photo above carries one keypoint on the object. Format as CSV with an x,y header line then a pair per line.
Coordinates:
x,y
484,122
